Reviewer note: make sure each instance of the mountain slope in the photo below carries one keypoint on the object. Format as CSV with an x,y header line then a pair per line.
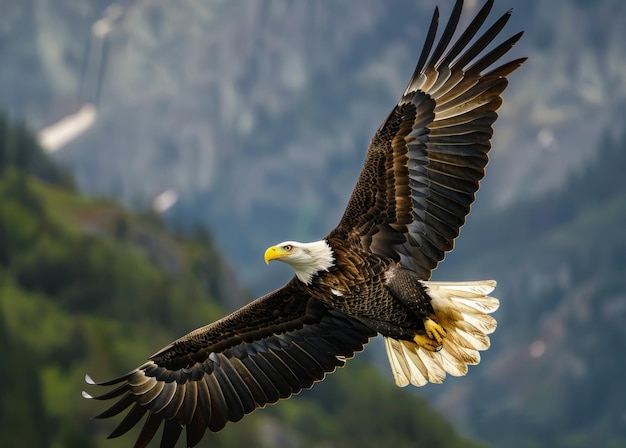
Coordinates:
x,y
552,376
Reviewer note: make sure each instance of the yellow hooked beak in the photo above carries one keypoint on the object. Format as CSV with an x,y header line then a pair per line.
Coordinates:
x,y
274,253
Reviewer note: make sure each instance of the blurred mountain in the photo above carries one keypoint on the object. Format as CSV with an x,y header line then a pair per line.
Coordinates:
x,y
258,115
553,375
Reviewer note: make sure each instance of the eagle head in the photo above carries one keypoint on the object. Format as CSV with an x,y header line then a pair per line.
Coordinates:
x,y
307,259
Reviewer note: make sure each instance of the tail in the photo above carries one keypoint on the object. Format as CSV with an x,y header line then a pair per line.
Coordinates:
x,y
462,309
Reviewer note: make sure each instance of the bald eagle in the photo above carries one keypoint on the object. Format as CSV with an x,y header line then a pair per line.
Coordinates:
x,y
368,276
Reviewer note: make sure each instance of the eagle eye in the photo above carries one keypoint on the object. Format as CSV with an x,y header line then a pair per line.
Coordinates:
x,y
288,247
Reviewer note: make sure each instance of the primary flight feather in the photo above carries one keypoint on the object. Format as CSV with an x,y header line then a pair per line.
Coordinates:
x,y
368,276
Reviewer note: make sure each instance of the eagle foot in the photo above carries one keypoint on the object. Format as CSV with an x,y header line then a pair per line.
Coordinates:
x,y
434,330
427,343
433,339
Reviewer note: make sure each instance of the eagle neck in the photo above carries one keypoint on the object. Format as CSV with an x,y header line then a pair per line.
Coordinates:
x,y
320,258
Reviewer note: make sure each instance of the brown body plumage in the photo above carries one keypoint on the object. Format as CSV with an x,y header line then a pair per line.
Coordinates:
x,y
368,276
396,301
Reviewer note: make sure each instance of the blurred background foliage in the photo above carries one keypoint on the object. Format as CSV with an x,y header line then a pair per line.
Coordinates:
x,y
257,116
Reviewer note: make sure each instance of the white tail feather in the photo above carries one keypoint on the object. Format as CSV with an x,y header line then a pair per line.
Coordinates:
x,y
397,361
462,309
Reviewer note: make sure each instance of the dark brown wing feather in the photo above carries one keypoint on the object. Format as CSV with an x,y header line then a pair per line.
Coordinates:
x,y
270,349
425,162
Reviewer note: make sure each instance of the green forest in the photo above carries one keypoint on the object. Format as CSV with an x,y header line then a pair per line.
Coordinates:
x,y
87,286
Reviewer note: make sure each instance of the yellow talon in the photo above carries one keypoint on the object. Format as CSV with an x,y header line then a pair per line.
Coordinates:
x,y
434,330
427,343
433,339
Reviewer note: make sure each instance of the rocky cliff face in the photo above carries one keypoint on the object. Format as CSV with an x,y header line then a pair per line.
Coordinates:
x,y
248,111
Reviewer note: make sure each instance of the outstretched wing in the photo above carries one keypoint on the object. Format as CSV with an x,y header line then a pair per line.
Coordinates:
x,y
425,162
272,348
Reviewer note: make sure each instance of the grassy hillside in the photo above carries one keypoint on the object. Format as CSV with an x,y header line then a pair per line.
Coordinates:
x,y
86,286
